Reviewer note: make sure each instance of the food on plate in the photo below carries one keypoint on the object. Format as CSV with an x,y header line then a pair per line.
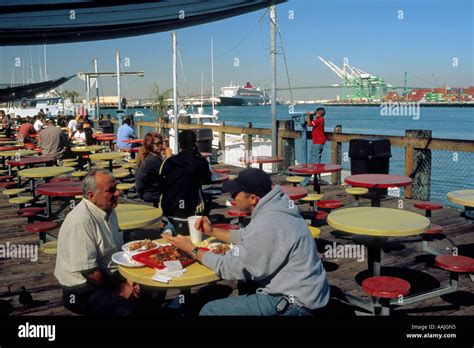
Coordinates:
x,y
155,258
146,244
219,248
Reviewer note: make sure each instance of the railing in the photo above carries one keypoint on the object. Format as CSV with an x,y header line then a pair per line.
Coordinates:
x,y
416,154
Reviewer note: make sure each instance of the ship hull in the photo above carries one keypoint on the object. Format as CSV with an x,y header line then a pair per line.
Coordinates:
x,y
243,101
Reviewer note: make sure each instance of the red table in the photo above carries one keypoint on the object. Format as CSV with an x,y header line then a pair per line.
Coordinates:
x,y
28,162
11,147
294,193
316,168
260,160
377,181
35,135
59,189
108,138
95,135
134,141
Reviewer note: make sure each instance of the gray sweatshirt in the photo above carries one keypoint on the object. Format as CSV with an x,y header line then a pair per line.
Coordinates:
x,y
277,251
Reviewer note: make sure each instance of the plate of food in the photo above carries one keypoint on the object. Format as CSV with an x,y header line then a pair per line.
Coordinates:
x,y
123,259
155,258
140,245
216,247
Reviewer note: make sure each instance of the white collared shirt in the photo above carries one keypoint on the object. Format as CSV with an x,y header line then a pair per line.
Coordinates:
x,y
87,239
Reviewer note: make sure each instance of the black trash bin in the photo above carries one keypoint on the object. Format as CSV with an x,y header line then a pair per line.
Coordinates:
x,y
370,156
106,126
204,139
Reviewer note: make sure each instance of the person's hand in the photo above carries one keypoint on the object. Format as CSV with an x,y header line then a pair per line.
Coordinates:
x,y
180,242
203,225
129,290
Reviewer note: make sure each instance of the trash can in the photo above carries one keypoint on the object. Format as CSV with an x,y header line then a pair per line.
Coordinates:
x,y
370,156
106,126
204,139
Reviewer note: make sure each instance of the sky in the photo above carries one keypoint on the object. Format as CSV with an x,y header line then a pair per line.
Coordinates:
x,y
431,40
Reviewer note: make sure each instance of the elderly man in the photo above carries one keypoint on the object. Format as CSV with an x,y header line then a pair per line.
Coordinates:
x,y
87,239
275,250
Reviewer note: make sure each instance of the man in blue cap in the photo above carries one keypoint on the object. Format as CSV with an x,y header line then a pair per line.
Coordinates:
x,y
275,250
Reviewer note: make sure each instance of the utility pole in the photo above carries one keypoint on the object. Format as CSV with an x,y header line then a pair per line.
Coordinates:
x,y
273,74
96,70
175,93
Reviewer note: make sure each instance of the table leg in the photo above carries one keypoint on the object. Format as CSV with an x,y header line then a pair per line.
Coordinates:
x,y
317,187
32,187
375,200
111,167
48,207
260,166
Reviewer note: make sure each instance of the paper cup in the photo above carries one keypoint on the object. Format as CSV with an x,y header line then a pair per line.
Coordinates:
x,y
196,236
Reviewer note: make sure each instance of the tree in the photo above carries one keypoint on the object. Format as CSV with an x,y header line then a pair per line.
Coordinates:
x,y
158,99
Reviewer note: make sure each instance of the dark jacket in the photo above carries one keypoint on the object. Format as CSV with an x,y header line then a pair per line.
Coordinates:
x,y
182,177
147,180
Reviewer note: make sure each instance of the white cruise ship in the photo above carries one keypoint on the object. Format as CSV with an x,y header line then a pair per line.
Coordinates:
x,y
242,96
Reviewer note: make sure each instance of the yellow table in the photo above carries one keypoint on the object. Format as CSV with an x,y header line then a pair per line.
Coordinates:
x,y
132,216
197,274
9,142
379,223
462,197
13,153
43,172
107,156
85,149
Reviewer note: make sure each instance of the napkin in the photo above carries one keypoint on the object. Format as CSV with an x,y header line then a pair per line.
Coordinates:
x,y
173,269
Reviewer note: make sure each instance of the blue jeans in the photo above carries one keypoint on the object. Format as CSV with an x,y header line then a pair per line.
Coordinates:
x,y
249,305
316,153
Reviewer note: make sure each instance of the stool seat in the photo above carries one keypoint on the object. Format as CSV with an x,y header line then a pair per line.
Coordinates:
x,y
7,184
427,205
329,204
321,215
121,175
12,192
312,198
132,160
34,210
386,287
226,226
295,179
434,229
221,170
236,212
458,264
70,164
60,179
125,187
129,166
20,200
315,232
79,174
42,226
356,191
233,203
6,177
49,247
69,160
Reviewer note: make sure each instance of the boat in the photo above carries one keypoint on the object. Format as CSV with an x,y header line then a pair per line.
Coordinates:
x,y
138,114
22,91
243,96
32,22
31,107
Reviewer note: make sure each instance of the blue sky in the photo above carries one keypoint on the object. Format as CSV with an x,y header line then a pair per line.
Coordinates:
x,y
368,32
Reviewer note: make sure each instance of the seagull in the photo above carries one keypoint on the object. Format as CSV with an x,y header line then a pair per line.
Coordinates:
x,y
25,297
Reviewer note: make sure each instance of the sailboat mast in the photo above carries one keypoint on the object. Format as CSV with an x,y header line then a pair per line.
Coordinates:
x,y
96,70
212,75
44,56
117,59
202,87
175,94
273,73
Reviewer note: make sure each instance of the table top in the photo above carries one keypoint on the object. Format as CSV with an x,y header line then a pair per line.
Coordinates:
x,y
316,168
378,180
294,192
196,274
107,156
133,141
260,159
99,134
462,197
105,138
45,172
61,189
11,147
376,221
31,160
90,148
9,142
13,153
218,178
132,216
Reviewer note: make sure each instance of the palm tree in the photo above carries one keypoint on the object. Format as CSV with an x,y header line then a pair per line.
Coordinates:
x,y
158,102
70,94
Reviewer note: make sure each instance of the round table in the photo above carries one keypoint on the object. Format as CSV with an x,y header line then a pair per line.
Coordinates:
x,y
377,181
43,172
260,160
14,153
379,223
465,198
196,274
218,178
131,216
27,162
134,141
9,142
294,193
107,156
99,134
316,168
59,189
108,139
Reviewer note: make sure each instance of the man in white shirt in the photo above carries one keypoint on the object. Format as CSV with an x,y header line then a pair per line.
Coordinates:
x,y
71,126
87,239
39,123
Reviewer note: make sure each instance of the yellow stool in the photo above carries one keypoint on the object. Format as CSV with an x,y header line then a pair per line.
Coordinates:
x,y
3,171
49,247
315,232
81,174
13,192
69,160
311,199
20,200
357,192
132,161
125,188
295,180
69,164
129,166
121,175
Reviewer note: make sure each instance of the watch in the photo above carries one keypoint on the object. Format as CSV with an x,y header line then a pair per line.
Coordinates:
x,y
194,253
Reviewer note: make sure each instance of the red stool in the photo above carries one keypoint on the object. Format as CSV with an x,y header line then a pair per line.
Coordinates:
x,y
427,207
428,236
221,170
328,205
59,179
241,215
41,228
385,288
233,203
455,265
226,226
6,178
321,215
7,184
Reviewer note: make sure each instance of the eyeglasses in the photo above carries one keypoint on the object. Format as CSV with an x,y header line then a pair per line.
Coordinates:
x,y
158,144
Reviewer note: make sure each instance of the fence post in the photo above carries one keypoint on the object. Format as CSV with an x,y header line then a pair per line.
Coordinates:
x,y
286,146
304,141
418,166
336,155
248,144
139,131
221,155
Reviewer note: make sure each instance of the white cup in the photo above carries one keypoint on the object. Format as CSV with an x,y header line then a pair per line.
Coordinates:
x,y
196,236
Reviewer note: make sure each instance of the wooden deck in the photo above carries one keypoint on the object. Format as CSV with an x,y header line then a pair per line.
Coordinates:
x,y
404,260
